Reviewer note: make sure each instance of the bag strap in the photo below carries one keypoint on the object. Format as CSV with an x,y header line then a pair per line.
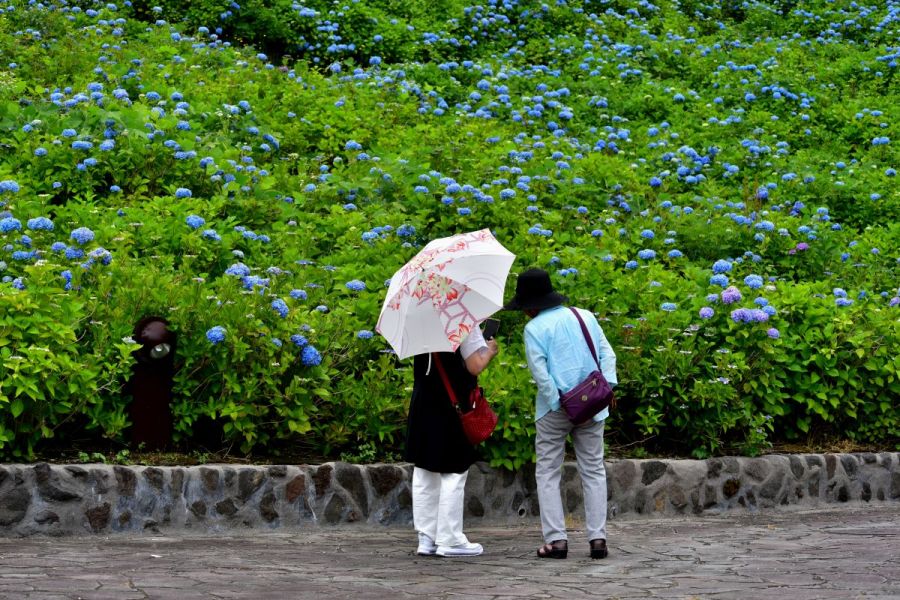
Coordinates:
x,y
587,336
443,373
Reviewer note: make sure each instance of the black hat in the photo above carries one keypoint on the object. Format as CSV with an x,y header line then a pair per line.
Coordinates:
x,y
534,292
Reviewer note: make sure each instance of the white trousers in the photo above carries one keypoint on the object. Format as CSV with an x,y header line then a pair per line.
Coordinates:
x,y
438,505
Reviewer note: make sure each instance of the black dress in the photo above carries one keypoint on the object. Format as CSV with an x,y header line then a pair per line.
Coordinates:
x,y
434,437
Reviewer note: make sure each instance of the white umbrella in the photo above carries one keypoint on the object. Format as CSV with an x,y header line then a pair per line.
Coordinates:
x,y
443,292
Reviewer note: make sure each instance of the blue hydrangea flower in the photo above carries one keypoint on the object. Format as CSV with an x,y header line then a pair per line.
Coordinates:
x,y
279,306
759,316
82,235
216,334
210,234
843,301
356,285
631,264
839,293
194,221
773,333
298,340
721,266
310,356
646,254
238,269
183,193
8,224
754,282
720,280
648,234
707,313
668,306
8,186
675,254
364,334
298,294
58,246
741,315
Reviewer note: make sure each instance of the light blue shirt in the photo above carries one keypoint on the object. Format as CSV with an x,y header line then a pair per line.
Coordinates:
x,y
559,358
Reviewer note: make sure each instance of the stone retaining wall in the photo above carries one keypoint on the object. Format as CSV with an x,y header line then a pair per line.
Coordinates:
x,y
79,499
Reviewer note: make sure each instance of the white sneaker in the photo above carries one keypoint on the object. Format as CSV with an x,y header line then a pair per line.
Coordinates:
x,y
467,549
427,547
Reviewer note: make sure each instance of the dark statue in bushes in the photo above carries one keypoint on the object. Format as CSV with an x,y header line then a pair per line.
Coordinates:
x,y
151,383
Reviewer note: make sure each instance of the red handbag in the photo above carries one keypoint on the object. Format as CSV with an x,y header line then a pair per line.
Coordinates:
x,y
479,422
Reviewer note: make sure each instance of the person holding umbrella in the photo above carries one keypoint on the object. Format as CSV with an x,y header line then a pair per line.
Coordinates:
x,y
432,310
559,358
437,445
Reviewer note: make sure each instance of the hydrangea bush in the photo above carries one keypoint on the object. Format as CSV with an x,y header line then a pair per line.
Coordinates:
x,y
716,181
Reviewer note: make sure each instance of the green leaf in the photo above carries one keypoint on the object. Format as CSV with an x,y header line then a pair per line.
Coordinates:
x,y
17,407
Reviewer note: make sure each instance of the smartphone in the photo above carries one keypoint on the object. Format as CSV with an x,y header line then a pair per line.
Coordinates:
x,y
491,326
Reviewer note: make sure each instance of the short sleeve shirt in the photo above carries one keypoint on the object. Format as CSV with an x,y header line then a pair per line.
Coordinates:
x,y
473,343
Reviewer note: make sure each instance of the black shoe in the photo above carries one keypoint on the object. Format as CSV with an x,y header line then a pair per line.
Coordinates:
x,y
598,549
555,549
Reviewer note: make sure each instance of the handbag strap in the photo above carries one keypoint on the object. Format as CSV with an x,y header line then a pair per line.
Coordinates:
x,y
443,373
587,336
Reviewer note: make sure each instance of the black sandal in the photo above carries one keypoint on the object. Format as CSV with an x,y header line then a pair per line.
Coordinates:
x,y
598,549
555,549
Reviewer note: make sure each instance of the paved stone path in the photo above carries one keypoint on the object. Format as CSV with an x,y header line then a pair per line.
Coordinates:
x,y
852,552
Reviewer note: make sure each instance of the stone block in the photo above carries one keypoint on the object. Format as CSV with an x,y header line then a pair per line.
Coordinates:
x,y
334,510
295,488
198,508
126,481
46,517
350,477
652,470
851,466
757,469
210,478
55,486
731,487
621,474
278,471
474,507
226,507
798,469
177,486
322,479
267,507
98,517
385,478
249,481
830,465
154,477
14,505
772,486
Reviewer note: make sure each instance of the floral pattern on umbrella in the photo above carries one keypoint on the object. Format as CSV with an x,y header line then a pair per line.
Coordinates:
x,y
443,292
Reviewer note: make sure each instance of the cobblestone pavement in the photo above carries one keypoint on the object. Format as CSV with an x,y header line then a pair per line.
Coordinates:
x,y
852,552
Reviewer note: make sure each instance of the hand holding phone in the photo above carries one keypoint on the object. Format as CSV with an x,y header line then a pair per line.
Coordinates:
x,y
491,327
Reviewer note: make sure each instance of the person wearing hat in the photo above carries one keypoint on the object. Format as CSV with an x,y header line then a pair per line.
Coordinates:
x,y
559,359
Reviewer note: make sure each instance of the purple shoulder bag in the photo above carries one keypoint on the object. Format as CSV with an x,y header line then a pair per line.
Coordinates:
x,y
593,394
